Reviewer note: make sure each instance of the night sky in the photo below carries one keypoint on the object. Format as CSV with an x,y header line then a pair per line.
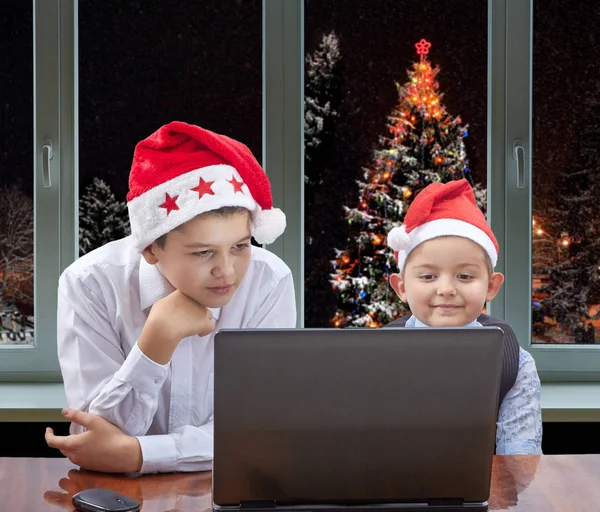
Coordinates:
x,y
145,63
377,47
565,71
16,94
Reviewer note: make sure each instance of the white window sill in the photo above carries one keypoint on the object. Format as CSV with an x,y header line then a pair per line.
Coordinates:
x,y
565,401
571,402
32,401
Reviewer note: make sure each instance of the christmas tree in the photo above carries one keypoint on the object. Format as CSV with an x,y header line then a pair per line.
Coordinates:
x,y
573,278
322,193
102,218
424,145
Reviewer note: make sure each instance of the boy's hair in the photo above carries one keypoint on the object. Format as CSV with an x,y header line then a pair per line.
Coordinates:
x,y
225,211
488,262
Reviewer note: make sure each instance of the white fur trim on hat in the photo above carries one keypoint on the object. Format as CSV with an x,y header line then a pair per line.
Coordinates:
x,y
149,221
447,227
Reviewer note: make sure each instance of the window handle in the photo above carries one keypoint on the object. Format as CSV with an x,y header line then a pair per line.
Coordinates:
x,y
519,156
47,155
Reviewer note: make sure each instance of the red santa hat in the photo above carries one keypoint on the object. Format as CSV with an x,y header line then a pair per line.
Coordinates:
x,y
182,170
440,209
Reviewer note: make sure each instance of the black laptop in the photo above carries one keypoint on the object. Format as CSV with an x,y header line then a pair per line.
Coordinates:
x,y
355,419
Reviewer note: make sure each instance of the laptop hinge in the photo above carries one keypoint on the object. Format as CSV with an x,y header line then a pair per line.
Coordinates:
x,y
446,502
257,504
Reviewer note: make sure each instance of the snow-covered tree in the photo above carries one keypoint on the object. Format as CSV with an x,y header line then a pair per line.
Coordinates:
x,y
573,281
16,248
321,101
102,218
322,191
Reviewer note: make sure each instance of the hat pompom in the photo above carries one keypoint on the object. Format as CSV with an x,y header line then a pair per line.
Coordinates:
x,y
398,239
268,225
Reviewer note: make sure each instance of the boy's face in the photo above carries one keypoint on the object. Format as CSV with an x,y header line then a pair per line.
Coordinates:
x,y
446,281
207,257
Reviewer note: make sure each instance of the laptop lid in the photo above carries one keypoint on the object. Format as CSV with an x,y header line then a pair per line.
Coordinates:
x,y
354,416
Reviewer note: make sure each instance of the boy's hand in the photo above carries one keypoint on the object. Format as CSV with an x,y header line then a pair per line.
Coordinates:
x,y
102,447
171,319
181,316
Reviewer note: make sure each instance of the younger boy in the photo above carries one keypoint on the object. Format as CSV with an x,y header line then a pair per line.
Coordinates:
x,y
136,318
446,253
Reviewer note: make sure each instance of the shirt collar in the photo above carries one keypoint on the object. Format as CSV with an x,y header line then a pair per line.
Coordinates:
x,y
413,321
154,286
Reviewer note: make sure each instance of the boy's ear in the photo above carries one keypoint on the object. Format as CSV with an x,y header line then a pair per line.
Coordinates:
x,y
397,283
149,256
496,280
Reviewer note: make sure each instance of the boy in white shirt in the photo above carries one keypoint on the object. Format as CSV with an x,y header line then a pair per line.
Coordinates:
x,y
136,317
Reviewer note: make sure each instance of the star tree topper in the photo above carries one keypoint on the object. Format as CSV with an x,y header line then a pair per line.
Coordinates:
x,y
423,48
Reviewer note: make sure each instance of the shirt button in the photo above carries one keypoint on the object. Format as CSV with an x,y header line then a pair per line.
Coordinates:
x,y
156,380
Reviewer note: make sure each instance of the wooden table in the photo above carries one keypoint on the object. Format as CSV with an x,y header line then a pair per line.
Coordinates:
x,y
565,483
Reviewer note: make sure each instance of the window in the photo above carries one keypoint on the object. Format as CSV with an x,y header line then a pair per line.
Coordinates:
x,y
36,110
550,190
90,94
395,98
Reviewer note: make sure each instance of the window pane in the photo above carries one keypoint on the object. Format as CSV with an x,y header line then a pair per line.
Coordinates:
x,y
359,126
566,177
16,176
144,64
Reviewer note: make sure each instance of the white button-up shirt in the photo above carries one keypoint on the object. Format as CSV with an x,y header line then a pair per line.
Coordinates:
x,y
103,302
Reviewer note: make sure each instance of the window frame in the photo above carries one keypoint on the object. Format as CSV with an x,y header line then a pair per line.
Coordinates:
x,y
283,129
54,206
510,119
